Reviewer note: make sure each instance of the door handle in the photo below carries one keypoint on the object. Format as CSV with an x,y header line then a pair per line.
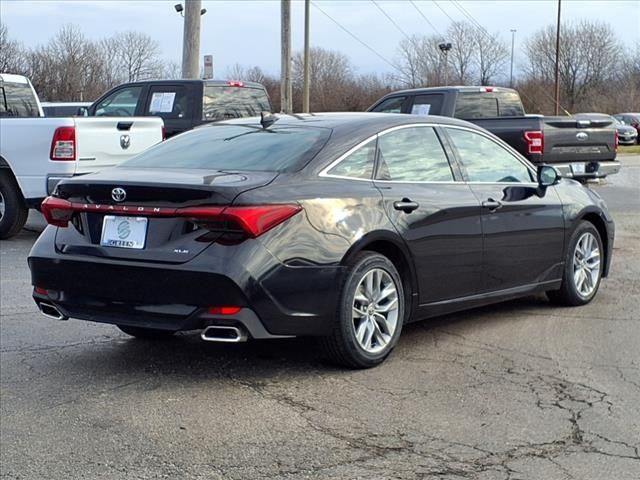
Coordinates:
x,y
492,204
406,205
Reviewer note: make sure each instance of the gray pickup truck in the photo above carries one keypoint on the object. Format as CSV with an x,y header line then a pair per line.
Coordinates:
x,y
582,147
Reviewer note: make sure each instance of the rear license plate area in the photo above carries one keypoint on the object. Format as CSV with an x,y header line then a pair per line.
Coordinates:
x,y
124,232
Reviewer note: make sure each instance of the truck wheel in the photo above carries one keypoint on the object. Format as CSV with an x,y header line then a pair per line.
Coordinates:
x,y
13,209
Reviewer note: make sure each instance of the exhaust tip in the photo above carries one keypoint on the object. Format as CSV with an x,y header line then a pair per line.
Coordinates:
x,y
224,334
50,311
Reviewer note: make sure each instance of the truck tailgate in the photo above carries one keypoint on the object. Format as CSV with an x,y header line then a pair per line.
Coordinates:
x,y
574,139
106,141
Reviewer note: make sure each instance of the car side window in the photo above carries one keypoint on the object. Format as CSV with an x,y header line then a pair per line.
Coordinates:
x,y
169,102
485,160
391,105
427,104
120,104
412,154
359,164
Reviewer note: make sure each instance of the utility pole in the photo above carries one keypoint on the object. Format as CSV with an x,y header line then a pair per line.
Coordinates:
x,y
513,41
557,95
285,72
191,39
307,73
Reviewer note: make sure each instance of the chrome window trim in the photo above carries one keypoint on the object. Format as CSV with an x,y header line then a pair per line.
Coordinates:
x,y
514,153
518,157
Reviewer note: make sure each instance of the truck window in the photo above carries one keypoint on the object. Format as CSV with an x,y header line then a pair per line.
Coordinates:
x,y
427,104
221,102
18,100
121,103
509,104
476,105
169,102
391,105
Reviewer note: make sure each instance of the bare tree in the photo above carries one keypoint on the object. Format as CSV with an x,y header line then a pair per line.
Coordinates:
x,y
247,74
421,62
12,55
462,36
589,56
491,55
139,56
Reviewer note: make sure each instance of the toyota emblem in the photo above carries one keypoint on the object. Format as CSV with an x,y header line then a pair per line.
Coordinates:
x,y
118,194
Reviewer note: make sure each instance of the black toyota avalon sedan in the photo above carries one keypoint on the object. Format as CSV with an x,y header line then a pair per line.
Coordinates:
x,y
341,226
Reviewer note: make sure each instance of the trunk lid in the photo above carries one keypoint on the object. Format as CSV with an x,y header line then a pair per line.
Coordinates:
x,y
582,138
151,199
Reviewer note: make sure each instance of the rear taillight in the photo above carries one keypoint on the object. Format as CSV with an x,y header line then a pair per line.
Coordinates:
x,y
535,141
57,211
63,144
617,141
223,310
164,134
253,220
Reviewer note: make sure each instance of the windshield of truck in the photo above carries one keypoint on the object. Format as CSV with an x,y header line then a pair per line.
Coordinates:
x,y
223,102
17,100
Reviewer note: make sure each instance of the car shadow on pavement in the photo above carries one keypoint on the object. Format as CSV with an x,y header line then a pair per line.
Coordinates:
x,y
186,356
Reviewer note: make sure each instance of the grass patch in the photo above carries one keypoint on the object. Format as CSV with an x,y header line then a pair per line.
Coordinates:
x,y
629,150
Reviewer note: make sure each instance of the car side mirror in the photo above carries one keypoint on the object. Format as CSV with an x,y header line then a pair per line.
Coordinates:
x,y
547,176
83,112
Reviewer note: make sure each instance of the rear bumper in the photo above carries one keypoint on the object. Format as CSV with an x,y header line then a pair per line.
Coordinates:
x,y
592,169
285,301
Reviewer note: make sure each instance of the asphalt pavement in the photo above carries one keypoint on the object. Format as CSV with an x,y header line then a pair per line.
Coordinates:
x,y
522,390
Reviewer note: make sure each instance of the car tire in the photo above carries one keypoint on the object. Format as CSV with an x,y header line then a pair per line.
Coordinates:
x,y
583,266
13,208
366,338
145,333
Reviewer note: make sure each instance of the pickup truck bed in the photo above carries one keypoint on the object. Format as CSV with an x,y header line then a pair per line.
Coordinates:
x,y
580,147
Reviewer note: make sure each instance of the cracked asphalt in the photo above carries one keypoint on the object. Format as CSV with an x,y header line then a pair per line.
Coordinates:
x,y
521,390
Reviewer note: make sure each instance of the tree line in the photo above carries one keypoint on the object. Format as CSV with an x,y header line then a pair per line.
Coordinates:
x,y
597,72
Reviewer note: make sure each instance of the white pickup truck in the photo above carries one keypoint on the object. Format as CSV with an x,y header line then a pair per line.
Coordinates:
x,y
36,153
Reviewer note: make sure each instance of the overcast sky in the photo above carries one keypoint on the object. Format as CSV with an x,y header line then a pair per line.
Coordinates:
x,y
248,32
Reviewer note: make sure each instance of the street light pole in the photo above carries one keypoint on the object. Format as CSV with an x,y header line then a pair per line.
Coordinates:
x,y
557,73
444,48
513,41
285,73
191,39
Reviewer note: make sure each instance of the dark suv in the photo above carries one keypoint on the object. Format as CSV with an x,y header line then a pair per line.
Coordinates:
x,y
183,104
631,119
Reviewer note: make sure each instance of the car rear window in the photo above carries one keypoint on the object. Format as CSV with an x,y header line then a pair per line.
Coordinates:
x,y
236,147
17,100
488,105
223,102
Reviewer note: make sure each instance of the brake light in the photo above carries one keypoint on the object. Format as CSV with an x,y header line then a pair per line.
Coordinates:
x,y
253,220
40,290
57,211
235,83
224,310
487,89
164,134
63,144
617,141
535,141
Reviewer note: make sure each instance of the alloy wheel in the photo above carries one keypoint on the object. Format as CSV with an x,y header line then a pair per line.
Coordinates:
x,y
586,264
375,310
2,207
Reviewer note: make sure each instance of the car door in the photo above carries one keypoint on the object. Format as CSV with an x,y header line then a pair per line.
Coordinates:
x,y
438,217
522,224
173,105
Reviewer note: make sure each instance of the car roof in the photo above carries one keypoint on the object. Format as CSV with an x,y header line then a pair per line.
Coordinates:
x,y
349,120
459,88
12,78
629,113
214,83
66,104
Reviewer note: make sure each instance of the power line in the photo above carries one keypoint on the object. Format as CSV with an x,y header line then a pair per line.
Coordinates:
x,y
392,21
426,19
361,42
443,11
